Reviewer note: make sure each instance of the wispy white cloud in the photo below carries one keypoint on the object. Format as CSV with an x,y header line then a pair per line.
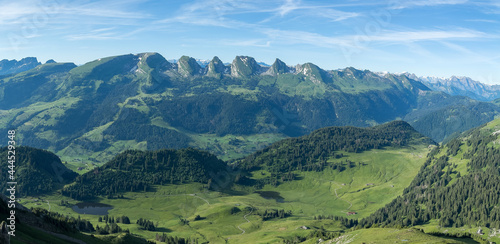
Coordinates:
x,y
10,48
361,41
70,20
422,3
248,43
335,15
211,13
473,56
428,35
228,13
417,49
484,21
328,11
491,7
304,37
39,14
12,11
198,20
97,34
288,6
111,33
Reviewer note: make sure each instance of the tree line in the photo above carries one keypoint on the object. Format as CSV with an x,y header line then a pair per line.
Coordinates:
x,y
135,170
441,192
37,171
312,152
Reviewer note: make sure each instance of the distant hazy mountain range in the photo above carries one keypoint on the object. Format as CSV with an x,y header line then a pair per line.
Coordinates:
x,y
14,66
143,101
460,85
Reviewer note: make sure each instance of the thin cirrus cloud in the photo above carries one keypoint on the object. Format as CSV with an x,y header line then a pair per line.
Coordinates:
x,y
68,12
248,43
483,20
361,41
327,11
227,13
335,15
210,13
423,3
12,13
71,20
427,35
98,34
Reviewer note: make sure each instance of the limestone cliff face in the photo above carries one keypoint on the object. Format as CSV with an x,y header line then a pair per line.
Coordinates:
x,y
188,66
215,68
311,71
244,66
278,67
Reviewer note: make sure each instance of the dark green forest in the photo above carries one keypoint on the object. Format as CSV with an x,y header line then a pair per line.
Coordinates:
x,y
471,199
311,152
135,170
37,171
134,125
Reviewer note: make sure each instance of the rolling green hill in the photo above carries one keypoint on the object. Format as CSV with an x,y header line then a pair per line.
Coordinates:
x,y
135,170
36,171
372,182
188,201
313,152
456,189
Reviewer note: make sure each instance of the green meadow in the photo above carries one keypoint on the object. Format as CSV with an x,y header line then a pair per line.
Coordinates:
x,y
232,214
390,235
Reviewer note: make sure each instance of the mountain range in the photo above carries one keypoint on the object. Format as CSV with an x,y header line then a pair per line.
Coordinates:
x,y
197,151
143,101
13,66
460,86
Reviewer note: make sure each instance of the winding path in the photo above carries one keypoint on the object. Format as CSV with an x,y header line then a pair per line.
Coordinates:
x,y
187,194
194,195
350,204
48,204
248,221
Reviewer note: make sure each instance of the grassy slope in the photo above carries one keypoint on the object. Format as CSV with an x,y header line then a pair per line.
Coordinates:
x,y
313,195
29,234
492,234
433,226
389,235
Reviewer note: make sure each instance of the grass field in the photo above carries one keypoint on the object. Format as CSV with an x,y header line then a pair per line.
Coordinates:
x,y
389,235
492,235
362,189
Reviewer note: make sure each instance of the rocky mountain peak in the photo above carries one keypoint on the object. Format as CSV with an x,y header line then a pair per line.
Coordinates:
x,y
244,66
155,61
312,71
188,66
13,66
278,67
215,68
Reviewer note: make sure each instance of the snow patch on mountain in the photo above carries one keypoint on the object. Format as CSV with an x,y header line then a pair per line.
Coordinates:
x,y
455,85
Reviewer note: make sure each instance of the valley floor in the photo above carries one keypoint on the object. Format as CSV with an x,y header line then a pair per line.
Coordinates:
x,y
383,175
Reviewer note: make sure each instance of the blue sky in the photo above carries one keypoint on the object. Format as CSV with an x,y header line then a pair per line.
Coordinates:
x,y
426,37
